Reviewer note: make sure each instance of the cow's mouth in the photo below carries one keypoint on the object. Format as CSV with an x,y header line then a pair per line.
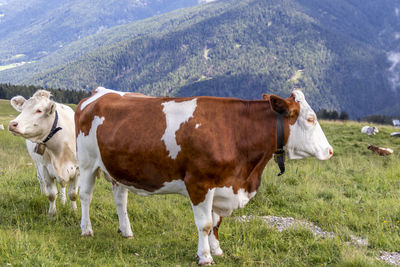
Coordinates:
x,y
14,132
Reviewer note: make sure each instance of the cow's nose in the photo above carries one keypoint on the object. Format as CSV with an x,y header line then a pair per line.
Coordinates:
x,y
12,125
330,152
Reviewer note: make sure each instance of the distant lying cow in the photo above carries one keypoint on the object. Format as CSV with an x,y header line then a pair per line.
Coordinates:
x,y
212,150
48,128
380,150
369,130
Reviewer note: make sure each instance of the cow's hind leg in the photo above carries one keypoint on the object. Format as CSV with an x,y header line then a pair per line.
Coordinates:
x,y
203,219
213,237
73,191
121,199
86,184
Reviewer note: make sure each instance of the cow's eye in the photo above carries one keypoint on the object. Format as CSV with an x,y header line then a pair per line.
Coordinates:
x,y
311,119
38,111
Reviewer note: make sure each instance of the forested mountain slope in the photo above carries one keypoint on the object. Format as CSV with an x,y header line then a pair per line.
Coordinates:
x,y
343,54
31,29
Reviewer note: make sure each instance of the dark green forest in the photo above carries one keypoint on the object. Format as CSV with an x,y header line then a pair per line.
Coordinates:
x,y
334,51
7,91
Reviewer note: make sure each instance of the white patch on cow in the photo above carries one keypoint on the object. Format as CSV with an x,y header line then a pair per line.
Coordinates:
x,y
88,148
387,149
226,201
198,125
175,115
173,187
306,136
100,91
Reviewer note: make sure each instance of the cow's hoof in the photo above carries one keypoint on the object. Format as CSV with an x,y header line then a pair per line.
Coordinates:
x,y
52,214
74,206
87,233
218,252
126,236
206,261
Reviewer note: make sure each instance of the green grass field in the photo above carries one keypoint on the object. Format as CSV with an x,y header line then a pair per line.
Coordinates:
x,y
354,193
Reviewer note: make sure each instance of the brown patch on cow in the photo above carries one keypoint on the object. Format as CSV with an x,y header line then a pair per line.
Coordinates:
x,y
235,141
207,229
51,197
72,197
379,151
215,228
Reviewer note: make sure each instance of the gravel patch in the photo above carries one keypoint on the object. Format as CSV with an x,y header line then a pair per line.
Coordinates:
x,y
390,257
284,223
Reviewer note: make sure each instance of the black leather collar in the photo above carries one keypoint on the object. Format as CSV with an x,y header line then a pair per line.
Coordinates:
x,y
54,129
280,152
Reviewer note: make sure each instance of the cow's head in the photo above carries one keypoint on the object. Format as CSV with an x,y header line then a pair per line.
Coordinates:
x,y
306,137
36,118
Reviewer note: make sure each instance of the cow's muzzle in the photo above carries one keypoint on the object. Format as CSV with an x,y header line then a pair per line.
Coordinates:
x,y
13,127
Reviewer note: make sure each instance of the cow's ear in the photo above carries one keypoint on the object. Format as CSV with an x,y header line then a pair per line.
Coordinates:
x,y
279,105
17,102
266,97
51,107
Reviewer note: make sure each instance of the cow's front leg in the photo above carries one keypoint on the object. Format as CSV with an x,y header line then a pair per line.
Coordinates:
x,y
42,183
203,219
121,200
213,237
63,197
86,182
51,192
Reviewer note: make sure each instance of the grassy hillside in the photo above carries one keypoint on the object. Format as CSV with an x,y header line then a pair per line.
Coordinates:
x,y
354,193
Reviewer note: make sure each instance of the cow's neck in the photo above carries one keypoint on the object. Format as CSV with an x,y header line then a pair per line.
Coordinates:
x,y
54,128
54,141
263,134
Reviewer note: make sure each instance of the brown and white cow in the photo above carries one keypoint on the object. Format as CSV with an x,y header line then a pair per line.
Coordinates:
x,y
49,130
212,150
381,151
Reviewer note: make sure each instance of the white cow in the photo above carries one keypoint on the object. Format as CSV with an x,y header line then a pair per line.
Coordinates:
x,y
369,130
49,130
